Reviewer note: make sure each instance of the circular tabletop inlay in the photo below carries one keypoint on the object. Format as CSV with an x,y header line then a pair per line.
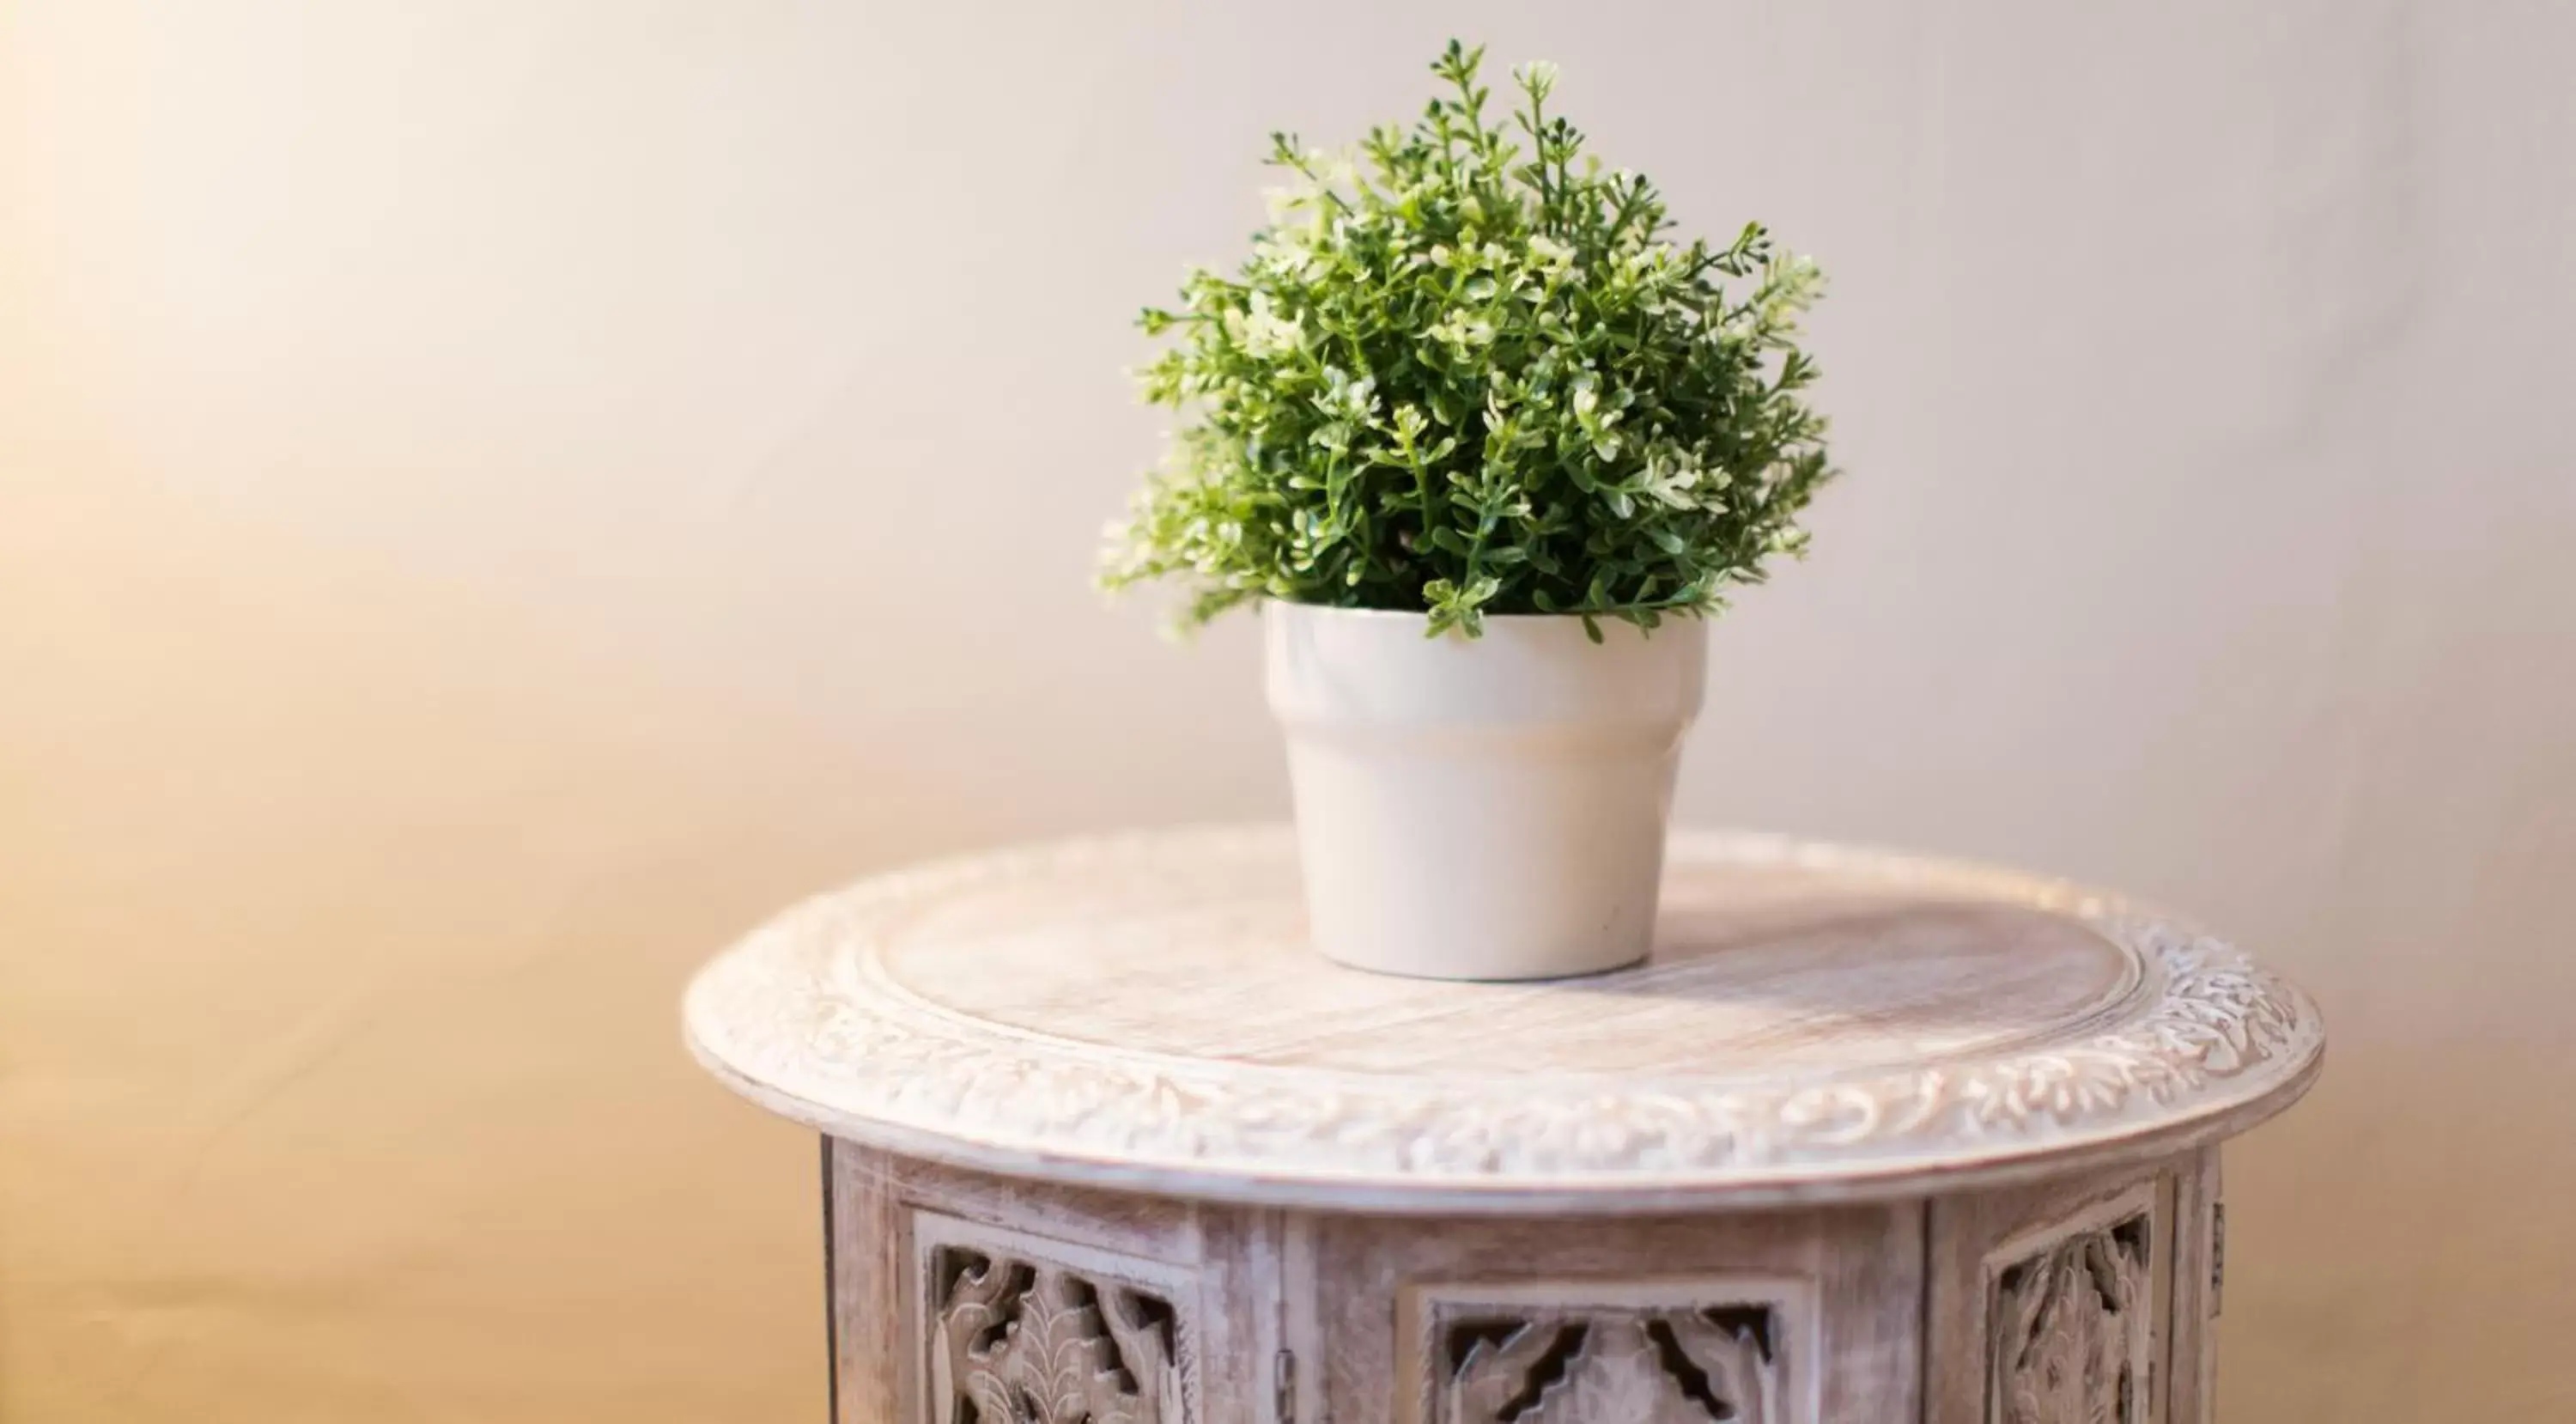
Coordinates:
x,y
1814,1022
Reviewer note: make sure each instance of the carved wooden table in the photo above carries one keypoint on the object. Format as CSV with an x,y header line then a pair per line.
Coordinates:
x,y
1868,1139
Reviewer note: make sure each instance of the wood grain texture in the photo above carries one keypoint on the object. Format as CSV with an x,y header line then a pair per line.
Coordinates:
x,y
1816,1024
2081,1300
1988,1254
1351,1299
2199,1243
1008,1324
1216,1265
1120,1150
1844,1283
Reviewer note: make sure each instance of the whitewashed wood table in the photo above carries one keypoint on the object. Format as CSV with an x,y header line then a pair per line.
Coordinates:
x,y
1868,1139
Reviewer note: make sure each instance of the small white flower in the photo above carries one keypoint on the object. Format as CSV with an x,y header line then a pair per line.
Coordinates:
x,y
1462,329
1351,399
1286,257
1330,167
1673,477
1264,332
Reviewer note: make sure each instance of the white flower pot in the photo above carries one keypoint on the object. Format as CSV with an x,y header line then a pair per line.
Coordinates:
x,y
1488,808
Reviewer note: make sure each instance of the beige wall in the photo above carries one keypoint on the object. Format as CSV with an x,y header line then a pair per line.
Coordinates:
x,y
496,496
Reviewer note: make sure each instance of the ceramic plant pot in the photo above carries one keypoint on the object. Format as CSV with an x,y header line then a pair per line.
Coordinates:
x,y
1486,808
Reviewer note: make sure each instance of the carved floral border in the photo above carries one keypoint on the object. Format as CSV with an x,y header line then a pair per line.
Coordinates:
x,y
798,1013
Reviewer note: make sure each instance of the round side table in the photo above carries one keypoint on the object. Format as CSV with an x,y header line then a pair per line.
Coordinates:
x,y
1868,1139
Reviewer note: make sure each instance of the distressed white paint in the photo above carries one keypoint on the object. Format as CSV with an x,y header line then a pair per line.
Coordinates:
x,y
496,496
1007,1324
1592,1351
2066,1301
1119,1148
2071,1317
1816,1022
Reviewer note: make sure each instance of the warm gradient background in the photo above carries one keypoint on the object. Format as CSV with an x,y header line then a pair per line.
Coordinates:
x,y
495,497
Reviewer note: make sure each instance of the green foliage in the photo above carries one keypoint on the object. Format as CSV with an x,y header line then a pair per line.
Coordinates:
x,y
1469,378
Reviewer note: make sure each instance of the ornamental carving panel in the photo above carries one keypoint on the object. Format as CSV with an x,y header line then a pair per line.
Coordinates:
x,y
1522,1359
1012,1334
2071,1328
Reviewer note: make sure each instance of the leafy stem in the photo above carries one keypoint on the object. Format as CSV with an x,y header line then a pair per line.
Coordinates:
x,y
1462,379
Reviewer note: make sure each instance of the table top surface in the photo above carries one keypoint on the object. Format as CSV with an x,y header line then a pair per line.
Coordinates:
x,y
1816,1023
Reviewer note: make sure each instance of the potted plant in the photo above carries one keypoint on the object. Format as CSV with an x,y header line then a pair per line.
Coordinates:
x,y
1487,447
